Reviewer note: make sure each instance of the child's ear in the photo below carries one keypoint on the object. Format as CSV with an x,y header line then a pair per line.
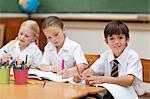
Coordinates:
x,y
64,29
106,41
128,39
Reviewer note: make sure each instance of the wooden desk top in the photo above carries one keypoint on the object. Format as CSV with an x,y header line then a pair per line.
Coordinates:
x,y
51,90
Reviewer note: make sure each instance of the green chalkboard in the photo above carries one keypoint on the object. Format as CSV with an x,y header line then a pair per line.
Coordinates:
x,y
82,6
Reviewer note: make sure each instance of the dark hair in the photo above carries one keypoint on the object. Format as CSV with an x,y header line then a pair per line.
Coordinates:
x,y
116,27
52,21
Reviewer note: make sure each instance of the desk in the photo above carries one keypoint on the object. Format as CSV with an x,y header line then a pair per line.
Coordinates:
x,y
51,90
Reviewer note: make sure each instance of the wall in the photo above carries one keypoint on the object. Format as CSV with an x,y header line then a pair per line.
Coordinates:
x,y
92,40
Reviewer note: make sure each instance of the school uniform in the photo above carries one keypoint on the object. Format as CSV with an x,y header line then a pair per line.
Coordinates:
x,y
32,50
129,63
71,53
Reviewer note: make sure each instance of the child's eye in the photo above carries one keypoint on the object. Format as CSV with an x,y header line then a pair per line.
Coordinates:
x,y
111,38
21,33
120,37
49,38
26,36
56,34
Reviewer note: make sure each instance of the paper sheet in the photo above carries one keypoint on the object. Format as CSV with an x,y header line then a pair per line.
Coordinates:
x,y
120,92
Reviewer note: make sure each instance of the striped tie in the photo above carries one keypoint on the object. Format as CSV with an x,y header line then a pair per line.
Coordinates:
x,y
114,72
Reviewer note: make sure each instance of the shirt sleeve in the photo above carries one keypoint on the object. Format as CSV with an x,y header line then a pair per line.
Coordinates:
x,y
79,55
99,66
37,58
135,66
6,48
46,57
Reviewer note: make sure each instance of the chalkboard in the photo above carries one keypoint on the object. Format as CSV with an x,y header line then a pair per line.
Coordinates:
x,y
82,6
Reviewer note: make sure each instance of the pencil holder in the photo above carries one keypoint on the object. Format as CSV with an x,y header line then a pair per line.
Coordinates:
x,y
20,76
4,75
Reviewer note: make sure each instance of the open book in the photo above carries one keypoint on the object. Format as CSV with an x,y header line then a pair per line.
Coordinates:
x,y
37,74
118,91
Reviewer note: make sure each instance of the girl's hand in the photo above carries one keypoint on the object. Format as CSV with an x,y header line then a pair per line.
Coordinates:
x,y
77,78
66,73
6,57
45,68
94,79
54,69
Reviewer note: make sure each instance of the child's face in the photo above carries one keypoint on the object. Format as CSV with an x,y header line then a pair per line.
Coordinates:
x,y
55,35
117,43
25,36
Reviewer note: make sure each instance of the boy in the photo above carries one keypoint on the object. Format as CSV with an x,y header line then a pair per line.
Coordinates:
x,y
119,65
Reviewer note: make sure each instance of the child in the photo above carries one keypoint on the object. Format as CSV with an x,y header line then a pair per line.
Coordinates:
x,y
125,61
60,50
24,46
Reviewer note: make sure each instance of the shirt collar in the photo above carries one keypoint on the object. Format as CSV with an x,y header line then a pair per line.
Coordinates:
x,y
66,44
64,47
17,44
31,45
120,59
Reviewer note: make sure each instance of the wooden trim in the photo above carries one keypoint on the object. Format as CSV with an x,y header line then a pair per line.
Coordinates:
x,y
101,25
108,19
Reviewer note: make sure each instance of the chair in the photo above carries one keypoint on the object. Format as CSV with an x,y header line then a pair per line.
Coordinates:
x,y
91,58
2,27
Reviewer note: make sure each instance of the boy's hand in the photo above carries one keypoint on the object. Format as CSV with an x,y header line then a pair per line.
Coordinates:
x,y
94,80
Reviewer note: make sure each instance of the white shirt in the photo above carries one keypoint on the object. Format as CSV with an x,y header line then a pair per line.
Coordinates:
x,y
32,50
71,53
129,63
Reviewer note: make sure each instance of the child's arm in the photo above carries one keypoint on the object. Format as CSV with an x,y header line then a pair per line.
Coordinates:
x,y
123,81
88,72
48,68
6,57
44,67
73,71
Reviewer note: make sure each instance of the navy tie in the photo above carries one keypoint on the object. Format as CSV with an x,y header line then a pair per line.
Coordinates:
x,y
114,71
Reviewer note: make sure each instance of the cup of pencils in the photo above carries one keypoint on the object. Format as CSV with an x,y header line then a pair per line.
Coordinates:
x,y
20,69
5,72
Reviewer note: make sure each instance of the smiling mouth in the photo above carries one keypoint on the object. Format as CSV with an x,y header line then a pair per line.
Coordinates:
x,y
117,46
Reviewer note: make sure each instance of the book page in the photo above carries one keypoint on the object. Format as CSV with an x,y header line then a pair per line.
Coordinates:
x,y
49,75
120,92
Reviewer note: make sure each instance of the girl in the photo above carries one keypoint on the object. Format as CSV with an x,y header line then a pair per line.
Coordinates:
x,y
60,50
25,45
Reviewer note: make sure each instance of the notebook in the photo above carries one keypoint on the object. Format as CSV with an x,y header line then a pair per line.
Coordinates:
x,y
37,74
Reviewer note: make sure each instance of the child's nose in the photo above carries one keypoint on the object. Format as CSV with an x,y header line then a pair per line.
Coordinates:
x,y
116,41
22,37
54,39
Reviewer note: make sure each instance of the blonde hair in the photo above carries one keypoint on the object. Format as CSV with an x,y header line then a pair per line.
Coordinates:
x,y
33,25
